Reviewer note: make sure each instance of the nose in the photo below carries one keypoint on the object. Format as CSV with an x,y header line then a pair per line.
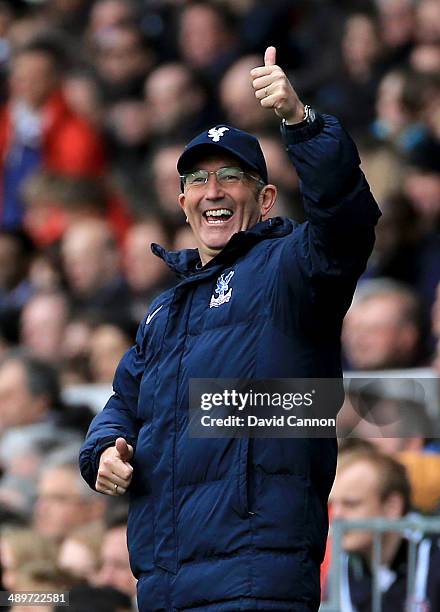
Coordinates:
x,y
214,191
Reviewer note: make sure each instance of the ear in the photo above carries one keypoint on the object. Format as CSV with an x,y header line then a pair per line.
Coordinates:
x,y
393,506
182,201
267,197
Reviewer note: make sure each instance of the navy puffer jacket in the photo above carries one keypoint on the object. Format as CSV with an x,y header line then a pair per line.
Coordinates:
x,y
239,524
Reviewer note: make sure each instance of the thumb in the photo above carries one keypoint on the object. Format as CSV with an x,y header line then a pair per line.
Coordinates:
x,y
125,450
270,56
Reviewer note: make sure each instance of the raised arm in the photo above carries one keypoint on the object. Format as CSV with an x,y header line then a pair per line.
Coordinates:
x,y
338,237
324,155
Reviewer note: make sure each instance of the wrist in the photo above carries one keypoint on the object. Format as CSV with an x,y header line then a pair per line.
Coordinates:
x,y
298,117
307,119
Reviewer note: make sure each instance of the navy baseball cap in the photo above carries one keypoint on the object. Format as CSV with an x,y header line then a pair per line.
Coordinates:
x,y
241,144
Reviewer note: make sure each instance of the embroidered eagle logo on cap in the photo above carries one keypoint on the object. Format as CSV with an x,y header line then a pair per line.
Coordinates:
x,y
217,133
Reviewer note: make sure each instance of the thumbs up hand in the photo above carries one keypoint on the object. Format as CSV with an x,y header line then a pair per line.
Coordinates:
x,y
274,90
115,472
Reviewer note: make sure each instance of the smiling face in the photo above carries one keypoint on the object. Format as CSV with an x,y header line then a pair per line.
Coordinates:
x,y
216,211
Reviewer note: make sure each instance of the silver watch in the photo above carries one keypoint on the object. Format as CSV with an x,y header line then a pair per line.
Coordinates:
x,y
309,117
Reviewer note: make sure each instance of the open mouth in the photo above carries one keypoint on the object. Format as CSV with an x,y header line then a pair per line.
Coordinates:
x,y
215,216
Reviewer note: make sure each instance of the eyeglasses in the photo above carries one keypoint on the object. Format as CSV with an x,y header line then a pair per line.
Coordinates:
x,y
225,176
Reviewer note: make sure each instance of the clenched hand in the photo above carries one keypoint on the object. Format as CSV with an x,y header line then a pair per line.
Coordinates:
x,y
115,472
274,90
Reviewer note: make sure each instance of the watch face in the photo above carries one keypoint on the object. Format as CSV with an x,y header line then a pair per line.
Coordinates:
x,y
310,114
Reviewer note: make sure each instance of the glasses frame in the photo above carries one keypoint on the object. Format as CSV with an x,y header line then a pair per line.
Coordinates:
x,y
243,173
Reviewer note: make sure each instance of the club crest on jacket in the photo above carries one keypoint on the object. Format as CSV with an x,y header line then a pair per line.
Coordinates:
x,y
223,290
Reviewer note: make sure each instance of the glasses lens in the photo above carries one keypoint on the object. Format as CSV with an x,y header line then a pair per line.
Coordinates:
x,y
229,175
199,177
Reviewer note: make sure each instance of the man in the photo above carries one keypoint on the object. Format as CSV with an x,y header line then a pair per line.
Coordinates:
x,y
369,484
39,130
48,311
383,328
237,524
63,501
177,102
29,392
93,269
32,422
146,275
115,566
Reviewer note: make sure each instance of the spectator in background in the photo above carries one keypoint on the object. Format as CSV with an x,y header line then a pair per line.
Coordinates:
x,y
38,129
207,38
238,97
43,214
25,28
398,26
76,348
115,568
19,546
177,102
368,485
428,22
108,343
391,417
30,398
33,421
166,183
383,328
425,59
108,14
66,15
42,576
92,266
29,392
122,58
46,273
422,183
383,166
399,104
146,274
406,248
128,125
350,91
84,97
42,325
54,202
91,346
79,551
63,502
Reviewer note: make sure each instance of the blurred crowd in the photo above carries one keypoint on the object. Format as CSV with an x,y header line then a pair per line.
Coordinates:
x,y
97,99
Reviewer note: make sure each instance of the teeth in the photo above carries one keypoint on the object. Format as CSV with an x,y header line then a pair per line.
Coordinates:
x,y
219,212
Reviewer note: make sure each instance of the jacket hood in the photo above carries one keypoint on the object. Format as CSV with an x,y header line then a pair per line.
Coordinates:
x,y
186,262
